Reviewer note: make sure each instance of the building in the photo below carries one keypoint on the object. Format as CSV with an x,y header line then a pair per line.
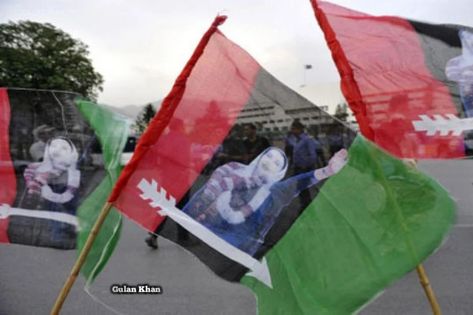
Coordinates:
x,y
314,107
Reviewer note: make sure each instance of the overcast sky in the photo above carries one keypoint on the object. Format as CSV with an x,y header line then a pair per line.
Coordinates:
x,y
141,46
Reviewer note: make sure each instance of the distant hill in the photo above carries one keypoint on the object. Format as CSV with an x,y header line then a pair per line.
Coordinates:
x,y
132,111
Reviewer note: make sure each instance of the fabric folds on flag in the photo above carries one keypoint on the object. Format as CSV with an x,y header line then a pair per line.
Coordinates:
x,y
60,157
248,176
370,224
408,83
205,147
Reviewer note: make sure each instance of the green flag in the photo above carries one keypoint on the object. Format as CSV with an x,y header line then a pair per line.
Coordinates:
x,y
111,130
370,224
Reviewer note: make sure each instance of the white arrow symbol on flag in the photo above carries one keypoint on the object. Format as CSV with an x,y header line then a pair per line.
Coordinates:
x,y
158,199
6,211
443,124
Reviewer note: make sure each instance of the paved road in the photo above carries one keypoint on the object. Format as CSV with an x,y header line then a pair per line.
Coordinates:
x,y
30,278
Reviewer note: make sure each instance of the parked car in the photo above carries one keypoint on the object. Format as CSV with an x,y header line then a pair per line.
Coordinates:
x,y
97,157
469,144
128,150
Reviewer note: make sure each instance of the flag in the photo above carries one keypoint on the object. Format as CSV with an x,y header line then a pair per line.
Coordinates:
x,y
255,173
60,156
369,225
408,83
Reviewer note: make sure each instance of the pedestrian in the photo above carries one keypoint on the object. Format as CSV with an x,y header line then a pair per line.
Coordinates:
x,y
304,154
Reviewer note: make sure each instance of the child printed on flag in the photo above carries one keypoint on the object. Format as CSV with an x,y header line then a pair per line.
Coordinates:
x,y
51,188
240,203
59,160
460,70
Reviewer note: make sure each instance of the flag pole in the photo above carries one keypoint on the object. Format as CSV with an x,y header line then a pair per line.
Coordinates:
x,y
81,259
164,115
424,280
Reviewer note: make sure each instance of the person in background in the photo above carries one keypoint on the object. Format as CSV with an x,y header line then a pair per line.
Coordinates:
x,y
303,152
181,160
253,143
41,135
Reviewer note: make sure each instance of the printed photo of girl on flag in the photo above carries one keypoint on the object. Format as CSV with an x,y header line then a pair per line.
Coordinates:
x,y
240,203
49,199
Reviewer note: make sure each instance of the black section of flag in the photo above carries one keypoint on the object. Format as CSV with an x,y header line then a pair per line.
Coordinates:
x,y
265,121
441,43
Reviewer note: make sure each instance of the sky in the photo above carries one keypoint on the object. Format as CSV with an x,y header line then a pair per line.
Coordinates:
x,y
141,46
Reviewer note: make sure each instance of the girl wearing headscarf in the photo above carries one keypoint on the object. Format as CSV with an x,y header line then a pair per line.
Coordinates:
x,y
240,203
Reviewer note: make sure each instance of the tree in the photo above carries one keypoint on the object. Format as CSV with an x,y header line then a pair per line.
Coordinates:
x,y
41,56
144,117
341,112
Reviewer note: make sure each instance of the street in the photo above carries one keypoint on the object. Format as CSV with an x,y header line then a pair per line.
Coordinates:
x,y
31,278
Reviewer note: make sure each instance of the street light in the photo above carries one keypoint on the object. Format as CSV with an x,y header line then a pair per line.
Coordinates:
x,y
306,67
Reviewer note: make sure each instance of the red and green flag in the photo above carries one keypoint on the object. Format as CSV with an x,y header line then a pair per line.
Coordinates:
x,y
60,156
409,83
258,177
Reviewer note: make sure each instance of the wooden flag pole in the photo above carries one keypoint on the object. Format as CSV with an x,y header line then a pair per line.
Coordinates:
x,y
152,133
81,259
424,280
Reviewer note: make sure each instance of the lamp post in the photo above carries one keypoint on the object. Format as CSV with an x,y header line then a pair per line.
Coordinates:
x,y
306,67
